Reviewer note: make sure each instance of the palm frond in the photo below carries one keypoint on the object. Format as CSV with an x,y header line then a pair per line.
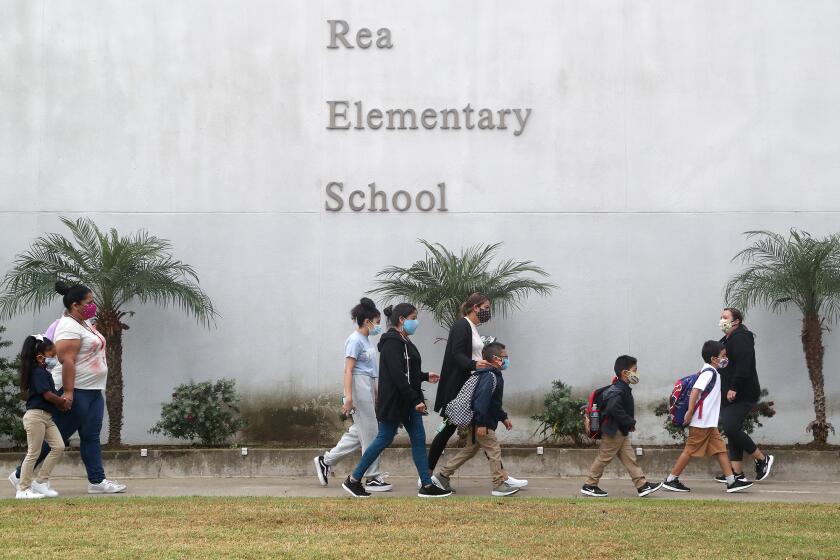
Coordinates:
x,y
443,279
119,269
783,271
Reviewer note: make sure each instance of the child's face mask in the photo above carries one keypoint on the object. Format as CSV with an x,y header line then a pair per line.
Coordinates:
x,y
632,377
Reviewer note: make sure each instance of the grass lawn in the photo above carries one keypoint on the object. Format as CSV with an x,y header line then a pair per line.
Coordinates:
x,y
474,528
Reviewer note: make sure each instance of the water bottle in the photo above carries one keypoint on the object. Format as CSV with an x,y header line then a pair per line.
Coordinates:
x,y
594,419
442,425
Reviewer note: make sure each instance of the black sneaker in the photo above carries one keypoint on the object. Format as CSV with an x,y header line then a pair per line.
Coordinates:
x,y
355,488
433,491
594,491
675,486
722,479
378,484
322,470
648,488
738,485
762,468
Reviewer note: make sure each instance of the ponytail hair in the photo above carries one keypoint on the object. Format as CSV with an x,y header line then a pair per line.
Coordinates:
x,y
365,310
72,294
476,298
33,345
394,312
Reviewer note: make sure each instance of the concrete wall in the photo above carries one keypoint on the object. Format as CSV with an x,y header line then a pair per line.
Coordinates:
x,y
659,132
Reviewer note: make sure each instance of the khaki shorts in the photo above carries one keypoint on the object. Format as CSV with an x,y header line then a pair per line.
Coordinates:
x,y
704,442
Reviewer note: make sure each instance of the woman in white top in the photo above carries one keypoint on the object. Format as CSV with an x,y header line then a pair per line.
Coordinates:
x,y
80,377
361,371
461,357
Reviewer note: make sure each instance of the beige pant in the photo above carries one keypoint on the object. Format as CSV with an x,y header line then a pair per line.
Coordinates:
x,y
39,426
492,450
610,447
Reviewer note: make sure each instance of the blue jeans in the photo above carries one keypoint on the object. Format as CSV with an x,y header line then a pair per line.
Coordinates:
x,y
387,431
84,417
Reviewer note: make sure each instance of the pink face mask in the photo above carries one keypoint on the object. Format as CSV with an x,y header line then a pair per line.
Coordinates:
x,y
89,311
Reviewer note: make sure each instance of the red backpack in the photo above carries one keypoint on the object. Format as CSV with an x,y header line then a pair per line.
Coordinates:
x,y
595,398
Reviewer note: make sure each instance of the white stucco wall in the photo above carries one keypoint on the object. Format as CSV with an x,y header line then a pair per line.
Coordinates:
x,y
659,132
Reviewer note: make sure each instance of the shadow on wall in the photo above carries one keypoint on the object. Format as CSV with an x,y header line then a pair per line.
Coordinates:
x,y
306,420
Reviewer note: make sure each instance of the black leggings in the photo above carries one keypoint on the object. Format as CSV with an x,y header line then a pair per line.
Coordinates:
x,y
732,418
439,444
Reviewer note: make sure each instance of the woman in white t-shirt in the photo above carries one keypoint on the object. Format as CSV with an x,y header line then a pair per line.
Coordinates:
x,y
461,357
361,370
80,377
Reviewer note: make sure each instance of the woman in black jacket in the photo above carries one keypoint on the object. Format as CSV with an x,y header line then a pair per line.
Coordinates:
x,y
741,392
399,400
461,357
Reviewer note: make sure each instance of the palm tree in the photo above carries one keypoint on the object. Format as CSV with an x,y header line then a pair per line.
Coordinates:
x,y
798,271
442,280
119,269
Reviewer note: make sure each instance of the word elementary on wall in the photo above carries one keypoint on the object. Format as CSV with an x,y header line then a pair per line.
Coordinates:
x,y
361,117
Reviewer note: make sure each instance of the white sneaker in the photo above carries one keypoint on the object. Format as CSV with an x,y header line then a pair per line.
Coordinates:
x,y
516,482
44,488
14,480
28,494
106,487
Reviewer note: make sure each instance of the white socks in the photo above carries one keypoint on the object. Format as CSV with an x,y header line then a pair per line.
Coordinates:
x,y
671,478
730,479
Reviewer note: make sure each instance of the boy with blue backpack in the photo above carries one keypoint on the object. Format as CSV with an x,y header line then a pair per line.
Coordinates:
x,y
478,406
617,422
701,416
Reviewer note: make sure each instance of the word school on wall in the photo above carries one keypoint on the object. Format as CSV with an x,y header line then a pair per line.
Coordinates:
x,y
343,117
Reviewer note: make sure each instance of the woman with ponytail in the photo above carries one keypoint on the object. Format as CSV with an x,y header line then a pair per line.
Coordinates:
x,y
399,401
461,357
361,370
81,375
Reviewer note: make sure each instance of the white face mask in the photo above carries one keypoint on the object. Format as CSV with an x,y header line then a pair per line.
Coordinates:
x,y
50,362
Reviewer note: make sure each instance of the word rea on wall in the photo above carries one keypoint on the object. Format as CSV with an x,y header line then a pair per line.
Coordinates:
x,y
358,115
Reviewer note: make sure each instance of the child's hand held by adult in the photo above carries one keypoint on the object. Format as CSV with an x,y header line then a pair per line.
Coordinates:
x,y
434,377
508,424
481,432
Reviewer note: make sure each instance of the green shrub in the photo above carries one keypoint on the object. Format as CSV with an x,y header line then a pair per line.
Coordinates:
x,y
764,408
11,407
562,417
204,411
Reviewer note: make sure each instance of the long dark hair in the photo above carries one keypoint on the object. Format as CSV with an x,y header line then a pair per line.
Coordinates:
x,y
32,346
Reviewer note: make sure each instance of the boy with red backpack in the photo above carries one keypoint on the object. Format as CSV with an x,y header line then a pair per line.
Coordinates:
x,y
617,421
704,439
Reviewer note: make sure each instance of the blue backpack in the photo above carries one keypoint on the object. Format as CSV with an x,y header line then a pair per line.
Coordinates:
x,y
678,403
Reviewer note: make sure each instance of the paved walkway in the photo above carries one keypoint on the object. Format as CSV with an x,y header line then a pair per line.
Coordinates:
x,y
825,492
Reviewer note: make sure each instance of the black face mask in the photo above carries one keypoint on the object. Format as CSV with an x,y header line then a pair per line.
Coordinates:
x,y
484,315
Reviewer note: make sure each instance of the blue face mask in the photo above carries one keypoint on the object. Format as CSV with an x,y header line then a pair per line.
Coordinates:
x,y
410,326
505,363
375,330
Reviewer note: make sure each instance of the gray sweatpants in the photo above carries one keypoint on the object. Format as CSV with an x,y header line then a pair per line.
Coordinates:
x,y
364,428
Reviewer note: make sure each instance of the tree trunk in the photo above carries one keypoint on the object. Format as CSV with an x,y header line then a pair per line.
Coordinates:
x,y
814,352
110,327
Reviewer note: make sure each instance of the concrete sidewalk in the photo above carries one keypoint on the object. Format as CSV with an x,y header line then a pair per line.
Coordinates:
x,y
769,490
